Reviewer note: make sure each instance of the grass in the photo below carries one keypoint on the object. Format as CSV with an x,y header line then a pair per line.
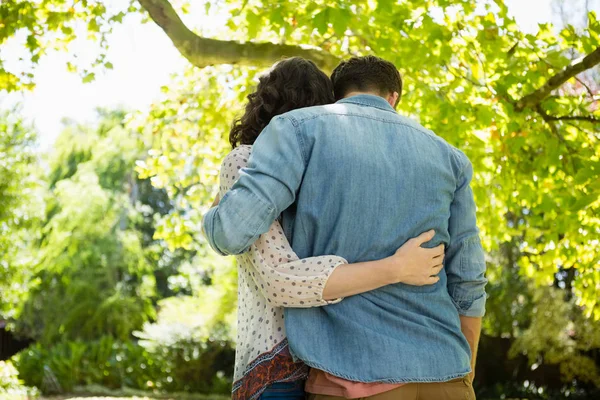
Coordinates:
x,y
172,396
94,398
77,397
94,392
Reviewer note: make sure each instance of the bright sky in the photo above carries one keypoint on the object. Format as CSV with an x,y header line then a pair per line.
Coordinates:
x,y
143,59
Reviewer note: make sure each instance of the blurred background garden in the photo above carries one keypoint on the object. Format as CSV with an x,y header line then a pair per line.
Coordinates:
x,y
113,122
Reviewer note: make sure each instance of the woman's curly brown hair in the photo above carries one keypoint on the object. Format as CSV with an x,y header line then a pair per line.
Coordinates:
x,y
291,83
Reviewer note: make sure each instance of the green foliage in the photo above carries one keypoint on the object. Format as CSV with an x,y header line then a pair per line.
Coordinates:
x,y
558,334
11,387
466,67
55,24
97,390
101,272
91,260
464,71
181,366
207,315
193,334
188,146
510,302
19,208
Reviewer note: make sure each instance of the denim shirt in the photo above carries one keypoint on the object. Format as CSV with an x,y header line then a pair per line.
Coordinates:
x,y
357,180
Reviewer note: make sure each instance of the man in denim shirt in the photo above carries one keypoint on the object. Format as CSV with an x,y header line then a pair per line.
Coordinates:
x,y
362,181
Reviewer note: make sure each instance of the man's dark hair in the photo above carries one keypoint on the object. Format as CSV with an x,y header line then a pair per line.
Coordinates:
x,y
366,74
292,83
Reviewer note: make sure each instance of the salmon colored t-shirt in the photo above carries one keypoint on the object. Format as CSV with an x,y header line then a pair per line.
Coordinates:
x,y
321,382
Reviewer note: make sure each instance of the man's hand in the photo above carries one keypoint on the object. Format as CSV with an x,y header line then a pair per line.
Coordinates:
x,y
416,265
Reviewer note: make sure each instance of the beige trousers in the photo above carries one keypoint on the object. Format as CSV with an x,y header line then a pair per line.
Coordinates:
x,y
456,389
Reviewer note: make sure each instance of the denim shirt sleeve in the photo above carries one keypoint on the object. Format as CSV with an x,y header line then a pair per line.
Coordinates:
x,y
266,187
465,261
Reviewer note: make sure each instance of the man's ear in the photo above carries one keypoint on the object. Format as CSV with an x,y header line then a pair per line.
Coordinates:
x,y
393,99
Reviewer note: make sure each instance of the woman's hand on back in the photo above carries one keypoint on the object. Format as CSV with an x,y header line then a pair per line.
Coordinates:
x,y
416,265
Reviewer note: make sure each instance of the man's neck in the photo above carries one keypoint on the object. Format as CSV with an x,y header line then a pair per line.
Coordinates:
x,y
391,99
357,93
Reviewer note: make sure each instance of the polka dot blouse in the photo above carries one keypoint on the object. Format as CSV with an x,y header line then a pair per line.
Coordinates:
x,y
271,277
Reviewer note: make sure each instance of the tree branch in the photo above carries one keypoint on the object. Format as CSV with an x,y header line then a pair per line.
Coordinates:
x,y
586,136
540,94
574,118
590,92
547,117
203,52
466,78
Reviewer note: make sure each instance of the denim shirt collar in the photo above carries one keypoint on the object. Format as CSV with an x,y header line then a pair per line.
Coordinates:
x,y
368,100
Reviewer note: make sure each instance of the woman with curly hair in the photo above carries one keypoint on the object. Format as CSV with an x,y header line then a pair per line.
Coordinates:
x,y
271,277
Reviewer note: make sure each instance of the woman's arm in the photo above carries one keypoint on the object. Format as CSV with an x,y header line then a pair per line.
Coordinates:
x,y
283,279
411,264
289,282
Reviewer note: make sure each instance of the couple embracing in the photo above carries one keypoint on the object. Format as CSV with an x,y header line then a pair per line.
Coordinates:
x,y
361,272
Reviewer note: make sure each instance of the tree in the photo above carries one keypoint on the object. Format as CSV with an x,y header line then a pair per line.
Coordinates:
x,y
96,277
91,274
99,267
17,208
517,104
511,100
522,106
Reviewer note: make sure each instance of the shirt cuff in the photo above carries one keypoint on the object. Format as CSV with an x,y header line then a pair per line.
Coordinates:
x,y
325,278
471,308
208,229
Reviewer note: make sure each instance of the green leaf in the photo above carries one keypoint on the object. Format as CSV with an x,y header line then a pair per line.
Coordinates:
x,y
321,20
89,77
584,201
254,22
340,21
93,25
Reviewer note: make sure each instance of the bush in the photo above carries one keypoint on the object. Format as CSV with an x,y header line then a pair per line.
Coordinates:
x,y
188,349
10,385
192,343
190,366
